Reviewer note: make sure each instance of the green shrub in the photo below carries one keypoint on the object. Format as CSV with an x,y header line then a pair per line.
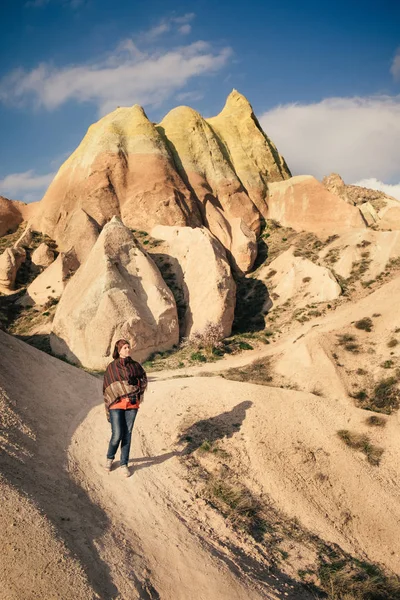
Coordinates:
x,y
198,356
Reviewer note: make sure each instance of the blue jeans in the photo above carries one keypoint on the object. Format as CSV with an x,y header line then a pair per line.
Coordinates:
x,y
121,431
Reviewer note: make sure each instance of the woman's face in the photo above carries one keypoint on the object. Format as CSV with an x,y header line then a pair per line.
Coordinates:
x,y
124,352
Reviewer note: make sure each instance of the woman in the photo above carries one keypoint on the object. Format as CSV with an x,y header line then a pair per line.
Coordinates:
x,y
124,384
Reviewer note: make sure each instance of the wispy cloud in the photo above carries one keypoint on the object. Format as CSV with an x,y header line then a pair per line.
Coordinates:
x,y
26,186
166,25
386,188
395,68
126,76
356,137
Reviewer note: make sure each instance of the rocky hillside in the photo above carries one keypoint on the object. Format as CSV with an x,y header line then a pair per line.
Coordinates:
x,y
185,171
266,308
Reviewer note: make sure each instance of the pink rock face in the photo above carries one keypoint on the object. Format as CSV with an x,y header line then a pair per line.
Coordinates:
x,y
10,215
304,204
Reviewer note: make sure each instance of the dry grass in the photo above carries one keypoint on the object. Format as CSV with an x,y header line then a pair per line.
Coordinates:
x,y
375,421
357,580
361,442
349,342
257,372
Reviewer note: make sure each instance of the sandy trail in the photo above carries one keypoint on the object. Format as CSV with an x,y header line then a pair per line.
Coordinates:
x,y
151,536
180,557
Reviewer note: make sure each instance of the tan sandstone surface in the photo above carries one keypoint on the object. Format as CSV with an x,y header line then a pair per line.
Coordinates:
x,y
10,215
117,293
283,444
202,274
299,280
304,203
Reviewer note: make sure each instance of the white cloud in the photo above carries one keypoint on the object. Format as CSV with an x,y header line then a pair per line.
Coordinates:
x,y
395,68
166,25
190,96
355,137
26,186
387,188
185,29
125,77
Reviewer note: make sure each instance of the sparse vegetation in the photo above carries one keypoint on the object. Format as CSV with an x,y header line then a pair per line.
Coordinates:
x,y
392,343
387,364
365,324
257,372
361,442
349,342
386,396
346,578
375,421
198,356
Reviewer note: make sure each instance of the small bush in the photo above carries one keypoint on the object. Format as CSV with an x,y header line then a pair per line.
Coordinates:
x,y
387,364
361,442
205,446
209,340
346,337
306,279
392,343
361,372
386,396
365,324
198,356
375,421
245,346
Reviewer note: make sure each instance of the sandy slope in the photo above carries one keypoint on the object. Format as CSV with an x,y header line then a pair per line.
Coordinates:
x,y
151,536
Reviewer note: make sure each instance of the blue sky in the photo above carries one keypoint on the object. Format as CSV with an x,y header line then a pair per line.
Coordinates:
x,y
324,80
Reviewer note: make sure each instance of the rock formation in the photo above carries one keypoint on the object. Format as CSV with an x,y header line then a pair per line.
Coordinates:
x,y
187,171
10,262
51,283
202,276
10,215
379,209
303,203
252,154
43,256
117,293
335,184
298,280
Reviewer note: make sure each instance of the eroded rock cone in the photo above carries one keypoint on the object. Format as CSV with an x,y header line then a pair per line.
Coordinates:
x,y
202,277
253,155
10,215
187,171
117,293
10,262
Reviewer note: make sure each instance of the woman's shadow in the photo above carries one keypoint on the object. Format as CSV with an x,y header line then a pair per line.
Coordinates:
x,y
211,430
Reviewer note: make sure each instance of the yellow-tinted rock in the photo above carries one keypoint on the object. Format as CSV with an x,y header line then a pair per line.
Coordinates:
x,y
253,155
201,162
